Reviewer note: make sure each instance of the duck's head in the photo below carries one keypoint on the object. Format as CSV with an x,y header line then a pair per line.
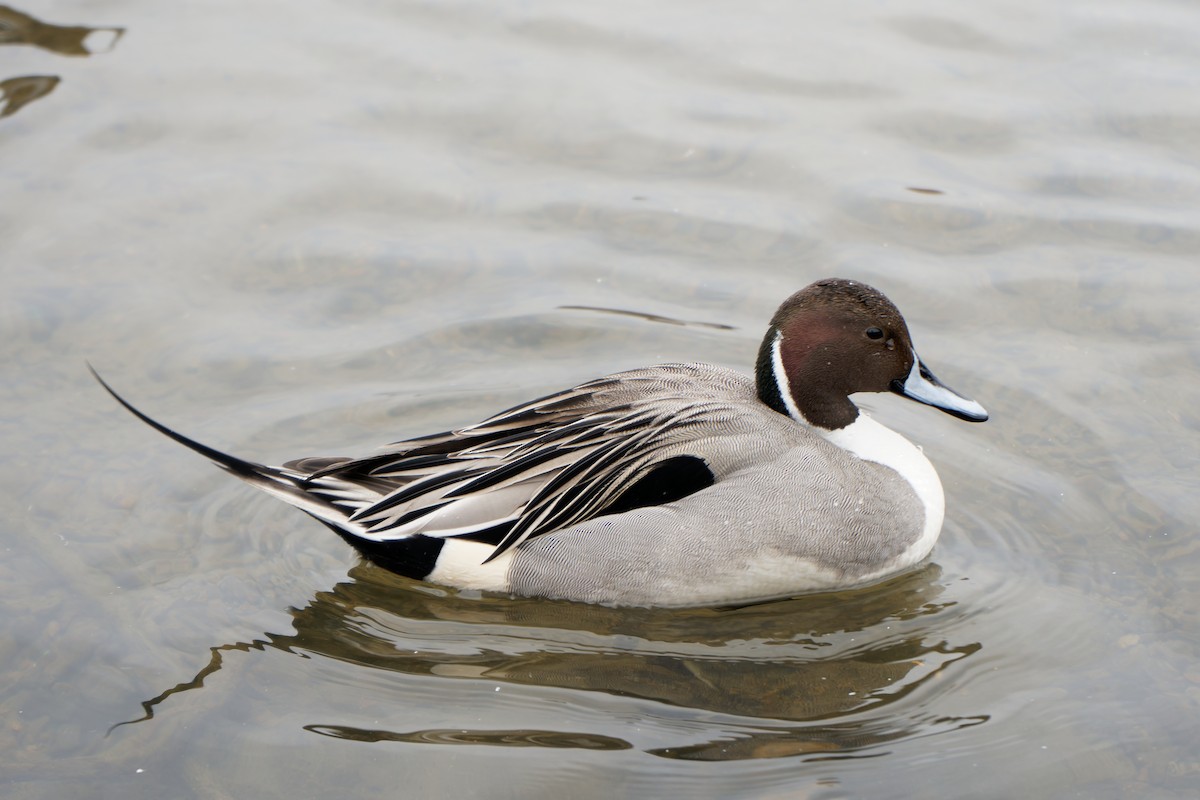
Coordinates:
x,y
837,337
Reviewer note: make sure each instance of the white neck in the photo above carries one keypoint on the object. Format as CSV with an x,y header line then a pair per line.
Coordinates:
x,y
872,441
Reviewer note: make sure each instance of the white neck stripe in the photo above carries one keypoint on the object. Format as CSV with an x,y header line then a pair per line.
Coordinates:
x,y
781,379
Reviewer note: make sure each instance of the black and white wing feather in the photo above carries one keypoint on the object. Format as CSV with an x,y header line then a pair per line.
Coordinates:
x,y
535,468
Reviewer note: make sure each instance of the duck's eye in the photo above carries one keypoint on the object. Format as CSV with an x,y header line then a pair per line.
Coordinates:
x,y
874,333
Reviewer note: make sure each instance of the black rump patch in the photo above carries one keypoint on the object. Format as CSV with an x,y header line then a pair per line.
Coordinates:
x,y
413,557
673,479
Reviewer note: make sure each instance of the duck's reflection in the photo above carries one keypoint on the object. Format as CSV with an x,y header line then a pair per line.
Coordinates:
x,y
16,93
816,676
17,27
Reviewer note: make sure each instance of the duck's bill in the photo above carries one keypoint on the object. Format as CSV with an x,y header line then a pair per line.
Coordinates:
x,y
922,386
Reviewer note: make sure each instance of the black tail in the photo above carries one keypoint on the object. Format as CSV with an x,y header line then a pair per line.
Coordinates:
x,y
414,557
290,487
243,469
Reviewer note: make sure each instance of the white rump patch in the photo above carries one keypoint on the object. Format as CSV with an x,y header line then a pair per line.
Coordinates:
x,y
460,563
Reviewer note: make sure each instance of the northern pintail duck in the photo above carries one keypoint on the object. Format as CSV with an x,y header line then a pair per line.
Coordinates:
x,y
679,484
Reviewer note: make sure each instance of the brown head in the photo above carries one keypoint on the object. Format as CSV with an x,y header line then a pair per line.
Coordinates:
x,y
837,337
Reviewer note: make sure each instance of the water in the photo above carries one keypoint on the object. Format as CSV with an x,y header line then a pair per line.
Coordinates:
x,y
315,230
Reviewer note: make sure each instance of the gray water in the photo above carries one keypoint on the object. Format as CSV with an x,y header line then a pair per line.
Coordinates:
x,y
315,227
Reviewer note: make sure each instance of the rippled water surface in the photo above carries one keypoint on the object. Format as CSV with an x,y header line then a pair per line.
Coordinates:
x,y
312,228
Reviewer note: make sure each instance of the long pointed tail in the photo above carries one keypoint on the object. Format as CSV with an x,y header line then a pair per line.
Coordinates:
x,y
239,467
287,486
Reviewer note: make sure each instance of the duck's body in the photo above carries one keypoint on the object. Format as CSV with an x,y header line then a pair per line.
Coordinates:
x,y
680,484
787,512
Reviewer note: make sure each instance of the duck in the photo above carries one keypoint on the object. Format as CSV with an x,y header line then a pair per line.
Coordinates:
x,y
681,484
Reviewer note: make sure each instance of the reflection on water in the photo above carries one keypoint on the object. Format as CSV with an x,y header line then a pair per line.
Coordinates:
x,y
18,92
67,40
658,318
17,27
834,675
318,226
551,739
